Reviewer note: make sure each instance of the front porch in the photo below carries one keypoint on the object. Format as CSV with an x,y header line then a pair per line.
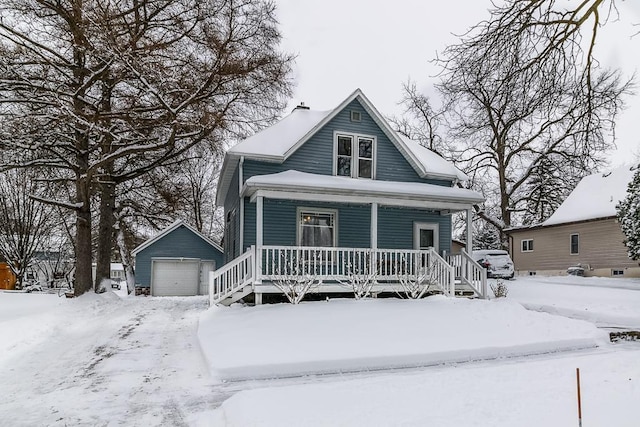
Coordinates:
x,y
363,271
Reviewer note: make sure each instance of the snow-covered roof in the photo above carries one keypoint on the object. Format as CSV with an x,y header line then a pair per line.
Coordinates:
x,y
168,230
282,139
595,196
433,164
275,141
339,185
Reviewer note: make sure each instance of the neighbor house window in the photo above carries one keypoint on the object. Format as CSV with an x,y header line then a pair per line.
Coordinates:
x,y
575,244
527,245
316,228
354,156
617,272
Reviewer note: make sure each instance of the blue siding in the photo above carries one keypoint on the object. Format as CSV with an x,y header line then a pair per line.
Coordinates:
x,y
231,243
181,242
280,222
316,155
395,227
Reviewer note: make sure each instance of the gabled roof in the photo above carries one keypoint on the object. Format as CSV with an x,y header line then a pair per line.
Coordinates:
x,y
281,140
595,196
170,229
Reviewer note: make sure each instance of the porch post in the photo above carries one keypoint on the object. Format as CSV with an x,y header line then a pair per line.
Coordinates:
x,y
469,232
374,226
259,209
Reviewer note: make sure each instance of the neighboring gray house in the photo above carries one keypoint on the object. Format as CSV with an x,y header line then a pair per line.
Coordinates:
x,y
583,231
177,261
321,193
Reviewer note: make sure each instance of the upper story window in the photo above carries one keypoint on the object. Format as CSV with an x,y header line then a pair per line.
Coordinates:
x,y
354,155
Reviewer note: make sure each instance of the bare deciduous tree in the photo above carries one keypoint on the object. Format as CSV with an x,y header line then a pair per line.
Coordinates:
x,y
523,101
25,224
108,91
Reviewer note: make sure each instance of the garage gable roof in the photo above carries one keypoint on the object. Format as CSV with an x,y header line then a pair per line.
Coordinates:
x,y
169,230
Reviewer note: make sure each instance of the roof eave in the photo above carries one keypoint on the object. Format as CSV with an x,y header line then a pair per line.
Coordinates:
x,y
250,188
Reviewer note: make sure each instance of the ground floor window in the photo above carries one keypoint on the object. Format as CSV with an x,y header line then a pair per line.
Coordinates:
x,y
425,236
317,227
575,244
527,245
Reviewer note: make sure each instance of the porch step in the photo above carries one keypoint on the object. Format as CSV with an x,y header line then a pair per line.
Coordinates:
x,y
237,296
463,290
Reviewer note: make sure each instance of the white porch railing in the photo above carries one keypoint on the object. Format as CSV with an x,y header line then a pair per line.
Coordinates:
x,y
327,264
232,277
469,272
334,263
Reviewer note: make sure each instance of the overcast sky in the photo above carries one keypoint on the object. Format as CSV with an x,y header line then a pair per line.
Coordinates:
x,y
377,45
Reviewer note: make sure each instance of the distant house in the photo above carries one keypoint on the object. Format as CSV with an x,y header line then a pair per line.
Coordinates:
x,y
321,193
583,232
116,271
7,278
176,262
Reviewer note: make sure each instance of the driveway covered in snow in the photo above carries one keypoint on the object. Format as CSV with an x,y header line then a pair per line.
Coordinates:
x,y
102,360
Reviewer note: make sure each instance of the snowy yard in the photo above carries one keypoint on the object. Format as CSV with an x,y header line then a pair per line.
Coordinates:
x,y
110,360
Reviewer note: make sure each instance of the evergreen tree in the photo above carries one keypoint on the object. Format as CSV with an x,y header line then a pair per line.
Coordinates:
x,y
629,216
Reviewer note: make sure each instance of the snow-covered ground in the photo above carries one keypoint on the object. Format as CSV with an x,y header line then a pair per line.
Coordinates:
x,y
348,335
106,360
602,301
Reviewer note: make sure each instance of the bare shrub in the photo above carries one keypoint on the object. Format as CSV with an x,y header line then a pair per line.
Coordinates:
x,y
362,275
292,277
416,286
500,289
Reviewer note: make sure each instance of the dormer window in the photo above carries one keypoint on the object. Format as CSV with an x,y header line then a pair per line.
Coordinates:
x,y
354,155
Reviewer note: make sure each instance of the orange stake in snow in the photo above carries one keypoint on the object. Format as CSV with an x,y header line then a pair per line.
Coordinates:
x,y
579,402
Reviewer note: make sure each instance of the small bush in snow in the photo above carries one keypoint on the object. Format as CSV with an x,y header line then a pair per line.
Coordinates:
x,y
361,273
292,277
500,289
416,286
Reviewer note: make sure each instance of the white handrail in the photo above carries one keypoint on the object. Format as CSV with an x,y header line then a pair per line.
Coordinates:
x,y
470,272
232,277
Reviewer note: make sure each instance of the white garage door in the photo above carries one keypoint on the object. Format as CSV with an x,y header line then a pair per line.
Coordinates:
x,y
175,277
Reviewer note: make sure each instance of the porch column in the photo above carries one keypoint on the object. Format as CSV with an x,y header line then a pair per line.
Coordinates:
x,y
374,226
259,209
469,232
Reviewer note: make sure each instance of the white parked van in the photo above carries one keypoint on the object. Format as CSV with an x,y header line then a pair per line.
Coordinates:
x,y
497,262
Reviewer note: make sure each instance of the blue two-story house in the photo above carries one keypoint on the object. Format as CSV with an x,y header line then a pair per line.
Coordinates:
x,y
319,190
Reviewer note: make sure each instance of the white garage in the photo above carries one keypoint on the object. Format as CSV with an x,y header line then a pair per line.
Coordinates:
x,y
175,277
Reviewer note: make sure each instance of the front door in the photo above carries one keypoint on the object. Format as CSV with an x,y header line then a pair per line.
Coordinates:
x,y
425,235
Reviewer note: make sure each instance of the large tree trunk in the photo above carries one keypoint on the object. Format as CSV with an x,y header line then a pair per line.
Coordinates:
x,y
83,241
105,235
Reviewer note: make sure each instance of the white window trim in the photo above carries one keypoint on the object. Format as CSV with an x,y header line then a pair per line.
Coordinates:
x,y
354,153
417,226
525,240
571,246
301,209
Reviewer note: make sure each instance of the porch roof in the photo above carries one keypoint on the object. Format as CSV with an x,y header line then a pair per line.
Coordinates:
x,y
293,184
